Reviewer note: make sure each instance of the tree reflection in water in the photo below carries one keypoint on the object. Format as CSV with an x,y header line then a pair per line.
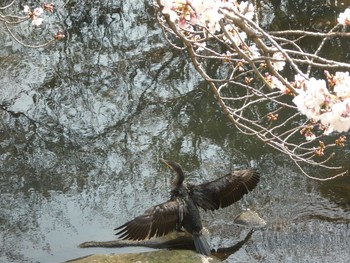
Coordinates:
x,y
83,123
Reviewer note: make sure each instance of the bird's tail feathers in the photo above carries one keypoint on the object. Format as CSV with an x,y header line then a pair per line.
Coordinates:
x,y
201,244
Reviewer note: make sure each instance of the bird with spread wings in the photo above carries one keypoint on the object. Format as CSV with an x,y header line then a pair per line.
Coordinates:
x,y
181,210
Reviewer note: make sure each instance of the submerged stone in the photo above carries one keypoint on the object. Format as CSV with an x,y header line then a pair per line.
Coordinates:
x,y
250,219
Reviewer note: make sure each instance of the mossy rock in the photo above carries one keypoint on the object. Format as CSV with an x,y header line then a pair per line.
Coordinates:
x,y
169,256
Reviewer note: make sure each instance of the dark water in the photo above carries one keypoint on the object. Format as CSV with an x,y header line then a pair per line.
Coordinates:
x,y
84,122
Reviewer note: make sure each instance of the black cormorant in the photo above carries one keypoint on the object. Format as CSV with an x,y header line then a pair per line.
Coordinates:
x,y
181,210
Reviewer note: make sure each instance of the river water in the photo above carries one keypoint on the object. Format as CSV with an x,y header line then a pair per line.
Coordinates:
x,y
84,122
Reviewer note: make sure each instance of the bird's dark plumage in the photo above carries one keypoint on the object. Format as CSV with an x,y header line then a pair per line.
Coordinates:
x,y
156,221
226,190
182,208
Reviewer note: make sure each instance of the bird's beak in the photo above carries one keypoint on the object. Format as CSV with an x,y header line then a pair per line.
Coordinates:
x,y
166,163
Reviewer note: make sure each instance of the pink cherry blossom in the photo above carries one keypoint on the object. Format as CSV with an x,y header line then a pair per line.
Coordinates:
x,y
38,11
37,21
312,100
338,119
276,83
26,9
278,65
342,84
344,18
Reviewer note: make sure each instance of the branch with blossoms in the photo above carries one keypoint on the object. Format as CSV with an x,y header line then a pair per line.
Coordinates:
x,y
10,19
267,84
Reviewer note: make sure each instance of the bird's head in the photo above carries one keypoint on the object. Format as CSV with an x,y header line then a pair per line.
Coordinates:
x,y
179,178
173,166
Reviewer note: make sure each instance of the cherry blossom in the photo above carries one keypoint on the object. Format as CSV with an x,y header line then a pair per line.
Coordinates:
x,y
279,63
316,102
37,21
254,52
237,37
299,81
26,9
276,83
338,119
34,15
310,136
169,8
246,8
314,98
49,7
59,35
211,16
206,13
38,11
342,84
344,18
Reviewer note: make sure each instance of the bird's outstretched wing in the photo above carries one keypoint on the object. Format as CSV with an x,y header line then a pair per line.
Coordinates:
x,y
156,221
226,190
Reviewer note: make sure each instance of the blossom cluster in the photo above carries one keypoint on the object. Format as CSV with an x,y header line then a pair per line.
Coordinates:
x,y
36,14
330,105
206,13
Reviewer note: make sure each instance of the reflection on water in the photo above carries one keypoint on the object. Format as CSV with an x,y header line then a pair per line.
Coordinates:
x,y
84,122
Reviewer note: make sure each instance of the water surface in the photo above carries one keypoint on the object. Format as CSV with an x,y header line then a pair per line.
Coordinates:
x,y
83,125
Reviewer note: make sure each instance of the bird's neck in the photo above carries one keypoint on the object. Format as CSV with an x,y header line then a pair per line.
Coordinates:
x,y
179,179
